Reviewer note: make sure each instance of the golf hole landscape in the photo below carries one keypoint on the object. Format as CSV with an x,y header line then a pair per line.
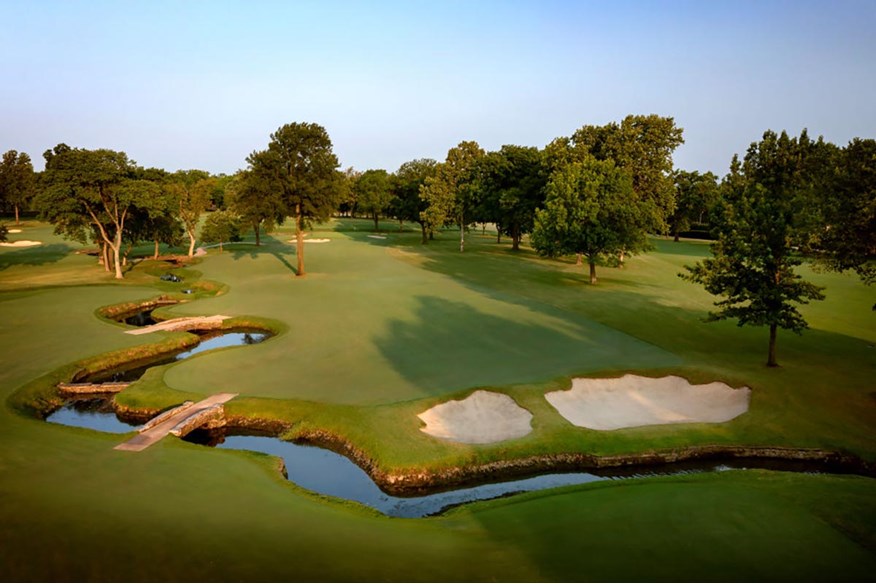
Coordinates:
x,y
437,292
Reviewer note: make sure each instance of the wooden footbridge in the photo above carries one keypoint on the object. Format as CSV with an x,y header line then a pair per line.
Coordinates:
x,y
180,421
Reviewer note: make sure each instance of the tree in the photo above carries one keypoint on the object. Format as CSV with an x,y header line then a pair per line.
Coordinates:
x,y
512,183
17,181
590,210
373,193
695,195
846,239
192,191
300,165
451,194
254,200
221,226
759,221
406,204
93,187
643,146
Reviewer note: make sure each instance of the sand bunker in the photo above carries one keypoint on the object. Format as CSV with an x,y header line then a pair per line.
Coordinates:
x,y
293,241
13,231
481,418
629,401
377,236
21,243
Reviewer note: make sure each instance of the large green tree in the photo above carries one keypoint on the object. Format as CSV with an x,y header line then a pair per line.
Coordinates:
x,y
255,201
406,204
221,227
17,181
192,191
643,146
373,194
846,239
695,195
300,165
512,183
96,188
760,220
451,194
590,210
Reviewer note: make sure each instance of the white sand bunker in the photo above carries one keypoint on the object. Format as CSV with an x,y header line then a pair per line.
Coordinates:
x,y
21,243
293,241
481,418
377,236
13,231
629,401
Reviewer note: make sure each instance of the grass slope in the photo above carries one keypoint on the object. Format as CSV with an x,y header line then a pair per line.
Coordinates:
x,y
71,508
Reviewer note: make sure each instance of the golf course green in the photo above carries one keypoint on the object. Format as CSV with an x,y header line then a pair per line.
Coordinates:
x,y
382,329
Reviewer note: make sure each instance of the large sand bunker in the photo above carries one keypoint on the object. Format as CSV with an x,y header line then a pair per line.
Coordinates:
x,y
631,400
21,243
481,418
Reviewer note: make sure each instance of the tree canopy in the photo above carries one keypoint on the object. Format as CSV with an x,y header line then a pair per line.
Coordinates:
x,y
407,205
758,223
695,195
300,165
17,181
590,210
373,193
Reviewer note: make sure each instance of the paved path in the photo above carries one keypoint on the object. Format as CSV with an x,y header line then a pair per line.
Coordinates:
x,y
179,324
153,435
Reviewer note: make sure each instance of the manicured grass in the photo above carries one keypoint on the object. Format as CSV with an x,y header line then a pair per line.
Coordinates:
x,y
378,331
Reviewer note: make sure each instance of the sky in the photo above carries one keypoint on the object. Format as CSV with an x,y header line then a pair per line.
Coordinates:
x,y
202,84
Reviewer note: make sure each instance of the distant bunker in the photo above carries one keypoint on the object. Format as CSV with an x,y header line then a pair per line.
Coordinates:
x,y
483,417
632,400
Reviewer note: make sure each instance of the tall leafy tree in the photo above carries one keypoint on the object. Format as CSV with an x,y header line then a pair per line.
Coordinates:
x,y
93,188
221,227
373,194
406,204
192,191
760,220
451,194
695,195
255,201
590,210
643,146
512,183
17,181
846,239
300,164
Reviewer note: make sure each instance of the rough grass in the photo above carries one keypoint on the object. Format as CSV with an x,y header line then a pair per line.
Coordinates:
x,y
71,508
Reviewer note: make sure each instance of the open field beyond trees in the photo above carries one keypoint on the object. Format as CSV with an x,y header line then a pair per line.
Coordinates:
x,y
382,329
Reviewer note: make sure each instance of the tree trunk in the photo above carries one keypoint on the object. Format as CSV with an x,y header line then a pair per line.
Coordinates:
x,y
578,259
220,247
431,235
191,235
299,235
771,359
376,225
592,272
425,235
515,238
104,252
155,257
117,245
401,226
620,259
461,235
17,222
255,227
676,237
498,236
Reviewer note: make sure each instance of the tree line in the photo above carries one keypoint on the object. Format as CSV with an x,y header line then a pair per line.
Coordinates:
x,y
597,194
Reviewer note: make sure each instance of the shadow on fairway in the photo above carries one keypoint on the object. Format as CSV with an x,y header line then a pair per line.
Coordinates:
x,y
35,256
269,246
453,345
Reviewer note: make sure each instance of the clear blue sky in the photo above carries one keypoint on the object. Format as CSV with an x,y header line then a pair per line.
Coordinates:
x,y
201,84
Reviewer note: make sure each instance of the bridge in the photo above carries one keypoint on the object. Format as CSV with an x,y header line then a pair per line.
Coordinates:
x,y
179,421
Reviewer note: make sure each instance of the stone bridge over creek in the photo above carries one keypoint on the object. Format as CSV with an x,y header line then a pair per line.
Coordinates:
x,y
180,421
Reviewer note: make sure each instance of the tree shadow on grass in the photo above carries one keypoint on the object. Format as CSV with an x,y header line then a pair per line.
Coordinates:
x,y
452,345
270,245
34,256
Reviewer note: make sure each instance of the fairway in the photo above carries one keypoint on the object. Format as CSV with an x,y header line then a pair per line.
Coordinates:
x,y
383,329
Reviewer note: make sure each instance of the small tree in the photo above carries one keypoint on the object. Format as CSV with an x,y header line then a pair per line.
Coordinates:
x,y
590,210
373,194
758,223
406,204
255,201
192,190
221,227
17,181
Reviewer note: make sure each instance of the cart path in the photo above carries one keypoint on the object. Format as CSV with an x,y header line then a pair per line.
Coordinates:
x,y
159,431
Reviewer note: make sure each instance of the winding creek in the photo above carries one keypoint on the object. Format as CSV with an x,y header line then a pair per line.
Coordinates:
x,y
325,472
